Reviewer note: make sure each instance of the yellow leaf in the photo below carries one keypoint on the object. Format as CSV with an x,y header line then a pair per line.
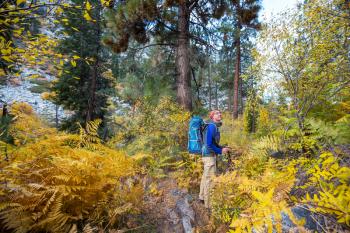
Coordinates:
x,y
76,57
15,20
20,50
33,76
7,58
6,51
308,197
20,1
74,64
87,16
88,5
59,10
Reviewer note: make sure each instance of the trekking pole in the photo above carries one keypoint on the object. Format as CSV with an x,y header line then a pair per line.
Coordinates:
x,y
230,156
229,161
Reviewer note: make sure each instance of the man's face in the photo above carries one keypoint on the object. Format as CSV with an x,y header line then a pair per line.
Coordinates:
x,y
217,116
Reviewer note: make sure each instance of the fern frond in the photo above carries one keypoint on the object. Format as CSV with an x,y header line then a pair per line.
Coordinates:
x,y
89,135
88,229
266,145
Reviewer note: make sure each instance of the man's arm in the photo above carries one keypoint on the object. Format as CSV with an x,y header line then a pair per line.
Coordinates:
x,y
210,139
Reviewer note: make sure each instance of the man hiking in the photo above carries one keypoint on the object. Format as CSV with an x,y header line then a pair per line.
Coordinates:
x,y
211,149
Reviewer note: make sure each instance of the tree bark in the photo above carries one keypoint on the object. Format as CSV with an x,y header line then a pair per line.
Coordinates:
x,y
230,83
56,115
4,110
237,71
216,96
240,96
95,72
184,95
92,99
209,84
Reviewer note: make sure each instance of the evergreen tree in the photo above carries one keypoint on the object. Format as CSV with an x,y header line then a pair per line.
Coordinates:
x,y
251,113
224,67
147,72
169,23
246,16
85,85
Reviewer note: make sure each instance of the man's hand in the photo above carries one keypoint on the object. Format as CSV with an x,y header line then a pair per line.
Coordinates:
x,y
225,150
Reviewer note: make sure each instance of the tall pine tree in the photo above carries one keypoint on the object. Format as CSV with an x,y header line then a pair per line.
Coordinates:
x,y
84,86
246,16
169,22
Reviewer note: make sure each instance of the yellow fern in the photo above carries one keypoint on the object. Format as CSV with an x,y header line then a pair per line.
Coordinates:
x,y
89,135
54,183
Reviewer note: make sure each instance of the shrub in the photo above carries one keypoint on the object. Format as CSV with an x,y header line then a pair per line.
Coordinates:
x,y
61,182
264,122
330,178
232,134
26,126
257,202
159,131
251,112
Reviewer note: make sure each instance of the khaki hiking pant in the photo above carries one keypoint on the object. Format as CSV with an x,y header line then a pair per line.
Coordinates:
x,y
207,177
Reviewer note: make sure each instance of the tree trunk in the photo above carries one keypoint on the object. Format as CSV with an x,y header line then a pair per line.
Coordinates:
x,y
90,115
56,115
184,95
237,72
4,110
240,96
230,83
216,96
209,84
92,98
200,76
197,86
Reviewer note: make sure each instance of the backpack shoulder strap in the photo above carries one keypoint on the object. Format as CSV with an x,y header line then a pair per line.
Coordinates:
x,y
204,130
211,123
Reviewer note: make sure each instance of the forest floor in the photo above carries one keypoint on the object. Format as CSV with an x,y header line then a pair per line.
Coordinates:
x,y
174,209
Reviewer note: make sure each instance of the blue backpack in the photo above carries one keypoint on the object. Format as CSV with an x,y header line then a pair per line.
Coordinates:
x,y
195,135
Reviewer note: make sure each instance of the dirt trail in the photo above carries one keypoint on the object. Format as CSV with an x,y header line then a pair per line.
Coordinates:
x,y
174,210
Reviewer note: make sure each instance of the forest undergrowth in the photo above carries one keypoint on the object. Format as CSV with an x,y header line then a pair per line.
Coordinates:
x,y
53,181
129,75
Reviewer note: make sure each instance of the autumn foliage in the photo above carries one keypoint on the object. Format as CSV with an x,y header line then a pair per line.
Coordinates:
x,y
61,182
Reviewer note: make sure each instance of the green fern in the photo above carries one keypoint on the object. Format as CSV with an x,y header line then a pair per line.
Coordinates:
x,y
265,146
